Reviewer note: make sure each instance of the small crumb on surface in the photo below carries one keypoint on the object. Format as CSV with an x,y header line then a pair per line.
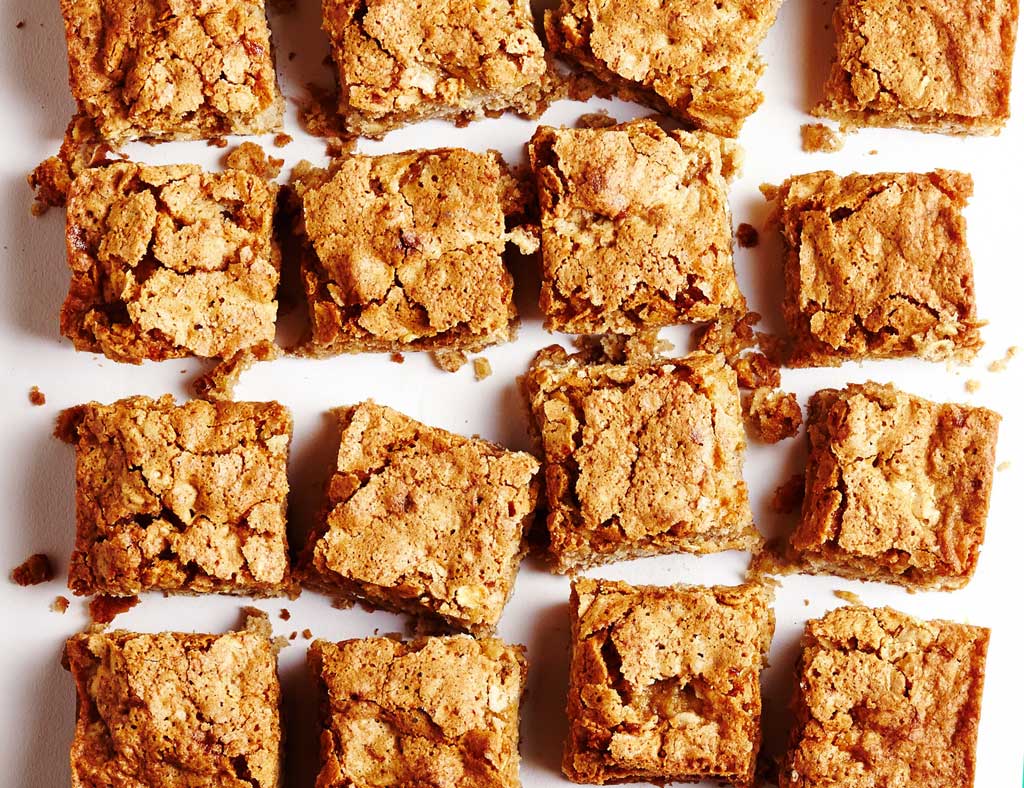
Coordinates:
x,y
36,397
872,153
60,605
789,495
773,415
21,24
218,385
217,142
33,570
1001,364
807,603
849,596
285,614
481,368
595,120
398,358
1003,466
293,635
280,140
819,138
340,603
450,360
340,146
755,370
747,236
972,385
104,609
307,634
250,157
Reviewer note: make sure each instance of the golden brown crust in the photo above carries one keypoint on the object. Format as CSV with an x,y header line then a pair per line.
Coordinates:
x,y
169,69
639,458
170,261
635,227
664,683
695,61
404,252
172,709
897,487
772,415
437,711
400,61
940,66
877,266
186,498
421,520
885,699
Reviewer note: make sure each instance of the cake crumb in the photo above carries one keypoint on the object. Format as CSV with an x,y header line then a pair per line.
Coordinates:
x,y
1003,466
293,635
60,605
80,150
481,368
819,138
340,146
807,603
280,140
217,142
341,603
285,614
789,495
595,120
872,152
772,415
449,360
755,371
33,570
747,236
1001,364
104,609
849,596
36,397
398,358
218,385
279,643
250,157
319,113
972,385
729,337
307,634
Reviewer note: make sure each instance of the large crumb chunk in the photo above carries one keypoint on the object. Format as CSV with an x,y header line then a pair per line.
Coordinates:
x,y
33,570
773,415
819,138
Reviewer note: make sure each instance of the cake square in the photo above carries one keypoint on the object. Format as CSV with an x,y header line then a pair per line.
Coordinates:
x,y
402,61
942,67
171,261
877,266
897,487
422,521
883,698
635,227
168,69
434,711
405,251
639,459
186,498
176,709
664,682
696,61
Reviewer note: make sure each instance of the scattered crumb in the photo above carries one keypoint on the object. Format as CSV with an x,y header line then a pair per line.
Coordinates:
x,y
595,120
755,371
772,415
642,347
807,603
218,385
872,153
293,635
1000,366
729,337
340,603
217,142
60,605
398,358
972,385
280,643
481,368
319,113
525,237
104,609
33,570
1003,466
819,138
285,614
36,397
849,596
340,146
789,495
21,24
250,157
747,236
80,150
450,360
280,140
291,55
307,634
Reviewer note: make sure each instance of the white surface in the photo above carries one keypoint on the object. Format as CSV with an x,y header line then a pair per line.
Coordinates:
x,y
36,489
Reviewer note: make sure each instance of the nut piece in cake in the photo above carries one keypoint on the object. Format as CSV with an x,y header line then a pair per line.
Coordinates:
x,y
153,69
635,227
436,711
897,487
169,262
405,251
639,458
423,521
186,498
941,66
176,709
883,698
664,683
696,61
401,61
876,266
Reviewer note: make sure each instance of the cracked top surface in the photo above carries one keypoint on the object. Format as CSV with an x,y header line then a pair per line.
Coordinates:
x,y
665,682
405,251
179,498
169,262
885,699
405,60
173,710
172,69
941,66
640,459
697,60
438,711
427,517
897,488
635,227
877,266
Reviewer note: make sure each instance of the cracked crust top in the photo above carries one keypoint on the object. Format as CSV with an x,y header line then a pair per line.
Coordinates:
x,y
886,699
897,488
422,520
664,682
437,711
170,261
940,66
175,709
635,227
877,266
402,60
179,498
172,69
696,61
640,459
404,251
